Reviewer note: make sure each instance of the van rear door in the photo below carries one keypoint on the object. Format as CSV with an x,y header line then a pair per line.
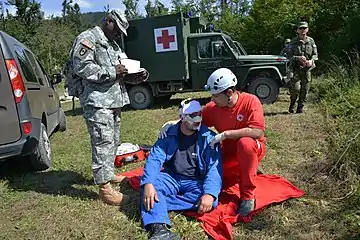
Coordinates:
x,y
9,121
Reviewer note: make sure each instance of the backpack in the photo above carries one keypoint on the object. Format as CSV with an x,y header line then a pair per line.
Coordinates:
x,y
73,82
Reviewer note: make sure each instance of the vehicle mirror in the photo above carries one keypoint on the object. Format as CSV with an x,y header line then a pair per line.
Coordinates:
x,y
56,78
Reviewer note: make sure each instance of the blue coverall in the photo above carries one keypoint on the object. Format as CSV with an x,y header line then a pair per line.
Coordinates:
x,y
174,191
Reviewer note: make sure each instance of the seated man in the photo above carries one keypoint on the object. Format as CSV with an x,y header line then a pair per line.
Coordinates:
x,y
182,172
239,119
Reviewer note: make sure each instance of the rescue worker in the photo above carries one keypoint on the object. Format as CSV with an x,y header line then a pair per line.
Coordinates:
x,y
102,93
302,56
191,175
239,119
284,51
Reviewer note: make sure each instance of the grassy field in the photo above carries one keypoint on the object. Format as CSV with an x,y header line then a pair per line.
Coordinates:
x,y
62,203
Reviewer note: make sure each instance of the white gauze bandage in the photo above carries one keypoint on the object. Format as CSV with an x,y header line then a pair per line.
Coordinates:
x,y
188,108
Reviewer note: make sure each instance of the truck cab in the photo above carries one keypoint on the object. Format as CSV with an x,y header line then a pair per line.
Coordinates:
x,y
180,55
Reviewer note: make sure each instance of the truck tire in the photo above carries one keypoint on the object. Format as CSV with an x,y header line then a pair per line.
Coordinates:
x,y
266,89
141,97
41,158
62,120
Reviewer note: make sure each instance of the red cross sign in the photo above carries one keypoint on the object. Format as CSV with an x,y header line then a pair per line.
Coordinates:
x,y
165,39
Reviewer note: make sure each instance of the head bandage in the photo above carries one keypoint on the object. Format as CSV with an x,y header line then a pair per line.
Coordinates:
x,y
189,107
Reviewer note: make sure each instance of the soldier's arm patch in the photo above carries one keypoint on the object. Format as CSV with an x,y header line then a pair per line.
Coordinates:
x,y
82,51
87,43
84,48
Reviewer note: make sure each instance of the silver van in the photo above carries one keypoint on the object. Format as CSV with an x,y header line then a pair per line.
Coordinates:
x,y
30,109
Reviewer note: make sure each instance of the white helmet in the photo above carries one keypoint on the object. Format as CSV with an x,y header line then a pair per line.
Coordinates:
x,y
220,80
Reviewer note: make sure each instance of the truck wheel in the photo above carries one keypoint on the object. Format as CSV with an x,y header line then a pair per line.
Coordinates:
x,y
41,158
140,97
266,89
62,120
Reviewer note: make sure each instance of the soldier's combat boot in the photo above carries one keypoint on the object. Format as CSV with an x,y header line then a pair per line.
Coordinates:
x,y
291,107
159,231
299,108
119,179
110,196
246,207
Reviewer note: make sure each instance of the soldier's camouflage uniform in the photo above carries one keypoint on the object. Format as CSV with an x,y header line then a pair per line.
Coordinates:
x,y
284,51
102,96
300,76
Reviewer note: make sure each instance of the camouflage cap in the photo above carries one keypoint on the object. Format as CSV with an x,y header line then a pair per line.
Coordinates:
x,y
120,19
303,24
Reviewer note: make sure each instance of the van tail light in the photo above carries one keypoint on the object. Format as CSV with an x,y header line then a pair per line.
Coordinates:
x,y
17,82
27,127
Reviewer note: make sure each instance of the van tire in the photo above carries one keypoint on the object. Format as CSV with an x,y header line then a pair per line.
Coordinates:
x,y
62,120
266,89
141,97
41,158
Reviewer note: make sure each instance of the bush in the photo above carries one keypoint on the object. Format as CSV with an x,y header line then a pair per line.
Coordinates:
x,y
338,93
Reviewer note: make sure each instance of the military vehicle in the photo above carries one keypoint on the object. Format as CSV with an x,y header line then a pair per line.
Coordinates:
x,y
180,54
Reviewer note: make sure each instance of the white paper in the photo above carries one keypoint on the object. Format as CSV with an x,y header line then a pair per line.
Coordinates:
x,y
123,55
133,66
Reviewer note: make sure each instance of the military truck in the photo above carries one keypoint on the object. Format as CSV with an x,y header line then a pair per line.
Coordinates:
x,y
180,54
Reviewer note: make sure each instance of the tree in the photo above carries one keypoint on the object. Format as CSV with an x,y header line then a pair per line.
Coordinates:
x,y
132,9
28,13
51,43
185,6
208,10
156,9
71,15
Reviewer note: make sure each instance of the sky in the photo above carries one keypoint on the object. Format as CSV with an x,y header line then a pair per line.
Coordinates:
x,y
53,7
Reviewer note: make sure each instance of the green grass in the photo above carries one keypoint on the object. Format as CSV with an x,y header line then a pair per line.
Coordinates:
x,y
62,203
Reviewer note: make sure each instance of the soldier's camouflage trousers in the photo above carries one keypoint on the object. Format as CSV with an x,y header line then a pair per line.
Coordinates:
x,y
104,129
299,87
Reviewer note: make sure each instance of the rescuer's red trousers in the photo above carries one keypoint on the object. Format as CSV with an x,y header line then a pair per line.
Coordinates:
x,y
240,165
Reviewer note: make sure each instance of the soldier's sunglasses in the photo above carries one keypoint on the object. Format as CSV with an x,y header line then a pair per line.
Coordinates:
x,y
302,28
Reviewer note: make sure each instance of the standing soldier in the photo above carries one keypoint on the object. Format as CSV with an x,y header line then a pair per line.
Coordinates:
x,y
285,50
96,63
302,55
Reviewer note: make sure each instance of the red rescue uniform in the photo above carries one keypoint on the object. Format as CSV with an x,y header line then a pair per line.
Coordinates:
x,y
241,157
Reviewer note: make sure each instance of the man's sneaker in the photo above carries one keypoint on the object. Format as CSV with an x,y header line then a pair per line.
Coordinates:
x,y
246,206
159,231
110,196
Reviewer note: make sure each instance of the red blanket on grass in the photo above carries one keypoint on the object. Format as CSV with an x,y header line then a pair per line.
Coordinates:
x,y
218,223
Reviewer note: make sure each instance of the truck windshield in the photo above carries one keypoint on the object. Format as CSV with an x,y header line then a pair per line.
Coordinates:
x,y
232,46
240,48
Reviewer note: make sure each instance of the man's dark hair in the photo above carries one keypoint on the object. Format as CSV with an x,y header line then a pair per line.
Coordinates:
x,y
230,88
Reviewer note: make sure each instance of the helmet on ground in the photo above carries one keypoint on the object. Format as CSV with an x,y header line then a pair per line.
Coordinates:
x,y
220,80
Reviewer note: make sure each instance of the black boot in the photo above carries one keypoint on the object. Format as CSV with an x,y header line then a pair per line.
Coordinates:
x,y
299,108
291,108
159,231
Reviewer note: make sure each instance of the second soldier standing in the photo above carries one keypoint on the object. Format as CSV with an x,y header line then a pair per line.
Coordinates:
x,y
102,94
302,55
